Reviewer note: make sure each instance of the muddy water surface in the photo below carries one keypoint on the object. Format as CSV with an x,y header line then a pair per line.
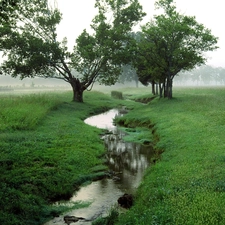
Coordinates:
x,y
127,163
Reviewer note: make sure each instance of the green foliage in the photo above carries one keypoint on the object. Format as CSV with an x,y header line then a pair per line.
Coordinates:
x,y
170,43
117,94
6,10
99,56
29,42
187,185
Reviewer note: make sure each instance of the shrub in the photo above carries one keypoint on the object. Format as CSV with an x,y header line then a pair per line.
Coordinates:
x,y
117,94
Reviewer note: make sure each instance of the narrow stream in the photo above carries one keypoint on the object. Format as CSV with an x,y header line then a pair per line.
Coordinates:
x,y
127,163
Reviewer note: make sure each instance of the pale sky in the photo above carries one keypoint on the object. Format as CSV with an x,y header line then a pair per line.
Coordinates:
x,y
78,14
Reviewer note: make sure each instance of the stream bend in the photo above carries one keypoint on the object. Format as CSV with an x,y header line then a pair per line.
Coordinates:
x,y
126,161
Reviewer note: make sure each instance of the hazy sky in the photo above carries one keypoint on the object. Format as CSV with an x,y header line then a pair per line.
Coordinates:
x,y
77,15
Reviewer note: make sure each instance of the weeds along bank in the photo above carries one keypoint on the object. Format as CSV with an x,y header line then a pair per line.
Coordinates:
x,y
46,152
186,186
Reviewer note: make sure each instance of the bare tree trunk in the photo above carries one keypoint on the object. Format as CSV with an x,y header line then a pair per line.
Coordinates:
x,y
157,88
165,88
161,85
136,82
78,90
153,87
170,86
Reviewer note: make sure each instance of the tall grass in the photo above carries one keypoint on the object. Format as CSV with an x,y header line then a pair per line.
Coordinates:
x,y
25,111
186,186
47,158
47,152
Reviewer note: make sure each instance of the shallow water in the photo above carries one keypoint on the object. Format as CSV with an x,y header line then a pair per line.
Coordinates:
x,y
127,163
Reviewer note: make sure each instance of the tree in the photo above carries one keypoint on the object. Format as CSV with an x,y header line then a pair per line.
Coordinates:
x,y
32,48
7,16
128,74
204,75
7,7
99,57
29,40
172,42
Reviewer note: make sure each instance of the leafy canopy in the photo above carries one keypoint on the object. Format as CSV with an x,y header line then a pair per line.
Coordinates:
x,y
99,56
29,42
172,42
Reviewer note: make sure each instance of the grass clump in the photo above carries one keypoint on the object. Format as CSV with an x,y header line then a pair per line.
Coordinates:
x,y
187,185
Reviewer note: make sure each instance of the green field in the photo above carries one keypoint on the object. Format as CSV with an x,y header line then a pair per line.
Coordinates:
x,y
47,152
45,155
187,184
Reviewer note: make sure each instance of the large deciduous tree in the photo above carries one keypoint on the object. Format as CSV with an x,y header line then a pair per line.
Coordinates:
x,y
32,49
99,56
170,43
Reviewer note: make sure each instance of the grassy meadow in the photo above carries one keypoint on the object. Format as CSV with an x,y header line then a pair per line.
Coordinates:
x,y
186,186
47,152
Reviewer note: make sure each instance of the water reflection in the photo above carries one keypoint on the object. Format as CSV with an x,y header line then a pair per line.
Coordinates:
x,y
104,120
127,163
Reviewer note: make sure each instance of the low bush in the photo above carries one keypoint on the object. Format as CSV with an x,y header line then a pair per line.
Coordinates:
x,y
117,94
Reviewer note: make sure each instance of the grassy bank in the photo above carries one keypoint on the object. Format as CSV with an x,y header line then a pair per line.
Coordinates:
x,y
187,185
47,152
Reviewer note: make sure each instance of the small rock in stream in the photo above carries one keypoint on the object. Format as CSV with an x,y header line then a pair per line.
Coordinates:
x,y
72,219
125,201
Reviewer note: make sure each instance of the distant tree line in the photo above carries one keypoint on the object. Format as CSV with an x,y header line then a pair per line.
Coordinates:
x,y
204,75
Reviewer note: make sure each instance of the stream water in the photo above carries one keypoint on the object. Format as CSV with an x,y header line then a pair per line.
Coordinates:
x,y
127,163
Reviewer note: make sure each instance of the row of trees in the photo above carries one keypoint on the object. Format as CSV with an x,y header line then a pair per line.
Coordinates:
x,y
204,75
168,44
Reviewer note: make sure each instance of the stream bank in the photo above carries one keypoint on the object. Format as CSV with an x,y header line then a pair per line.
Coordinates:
x,y
127,163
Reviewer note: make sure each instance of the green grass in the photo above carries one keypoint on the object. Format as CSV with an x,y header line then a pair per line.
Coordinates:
x,y
47,152
187,185
25,111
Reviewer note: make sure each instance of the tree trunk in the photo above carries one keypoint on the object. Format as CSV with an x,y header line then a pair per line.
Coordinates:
x,y
136,82
161,89
157,88
170,85
153,87
78,90
165,88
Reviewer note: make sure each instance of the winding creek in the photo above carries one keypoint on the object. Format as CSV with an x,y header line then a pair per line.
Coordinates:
x,y
127,163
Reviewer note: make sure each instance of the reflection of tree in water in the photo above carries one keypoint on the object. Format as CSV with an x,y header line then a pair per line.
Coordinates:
x,y
126,157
